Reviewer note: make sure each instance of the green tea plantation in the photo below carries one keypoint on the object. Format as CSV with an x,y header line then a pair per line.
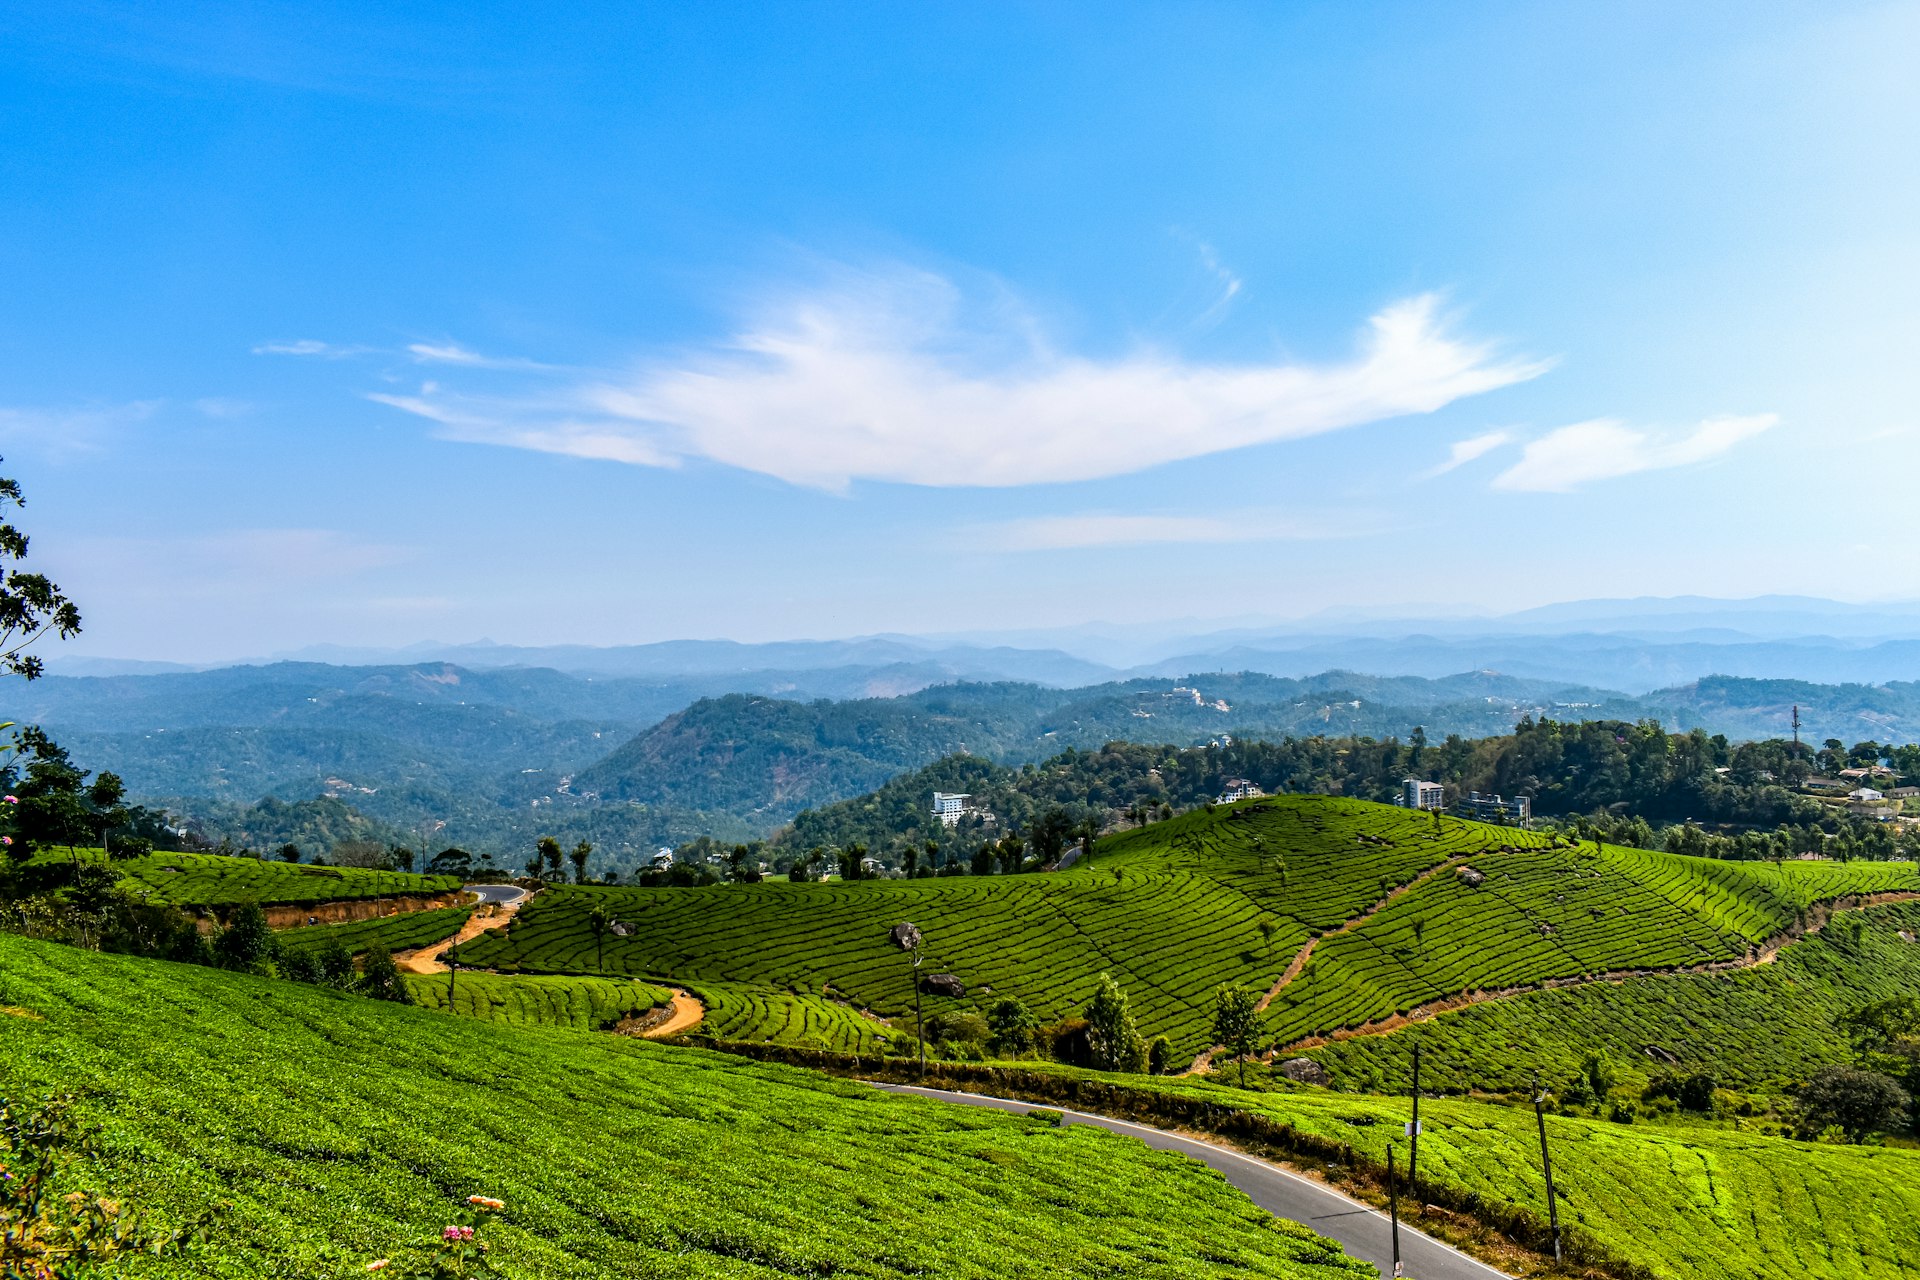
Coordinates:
x,y
326,1131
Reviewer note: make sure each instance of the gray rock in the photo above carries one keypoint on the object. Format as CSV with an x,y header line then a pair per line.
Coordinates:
x,y
943,984
1470,878
1305,1070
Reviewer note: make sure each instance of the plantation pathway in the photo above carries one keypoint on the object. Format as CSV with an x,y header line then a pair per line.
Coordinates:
x,y
687,1014
1363,1230
1765,952
499,901
1306,953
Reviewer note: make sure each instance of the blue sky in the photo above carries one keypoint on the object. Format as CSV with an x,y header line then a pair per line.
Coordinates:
x,y
638,322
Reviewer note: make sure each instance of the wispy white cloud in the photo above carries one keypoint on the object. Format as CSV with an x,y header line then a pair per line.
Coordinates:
x,y
81,429
311,347
1465,451
881,380
1230,285
455,354
1102,529
1605,448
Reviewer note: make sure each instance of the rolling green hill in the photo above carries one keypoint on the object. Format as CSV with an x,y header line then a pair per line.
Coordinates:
x,y
213,880
396,933
336,1130
584,1004
1762,1029
1176,909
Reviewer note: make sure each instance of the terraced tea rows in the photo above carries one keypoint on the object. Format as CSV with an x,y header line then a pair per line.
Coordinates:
x,y
211,880
736,1011
1550,914
1044,942
1317,861
1233,896
333,1130
1759,1029
527,1000
403,932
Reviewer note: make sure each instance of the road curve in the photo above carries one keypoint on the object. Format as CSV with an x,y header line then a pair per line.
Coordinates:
x,y
503,894
1364,1230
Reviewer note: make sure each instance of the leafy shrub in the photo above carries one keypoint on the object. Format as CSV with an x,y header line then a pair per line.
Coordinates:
x,y
1011,1025
1855,1102
44,1233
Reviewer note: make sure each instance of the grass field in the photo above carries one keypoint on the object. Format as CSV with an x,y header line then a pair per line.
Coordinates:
x,y
338,1129
211,880
1762,1029
584,1004
400,933
1686,1203
1176,909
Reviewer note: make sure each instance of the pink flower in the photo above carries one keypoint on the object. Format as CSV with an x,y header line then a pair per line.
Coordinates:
x,y
451,1233
6,839
12,799
466,1233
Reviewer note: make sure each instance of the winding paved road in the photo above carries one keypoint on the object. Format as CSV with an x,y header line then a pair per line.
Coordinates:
x,y
1364,1230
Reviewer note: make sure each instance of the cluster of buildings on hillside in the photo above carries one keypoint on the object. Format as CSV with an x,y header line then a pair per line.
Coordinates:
x,y
1418,794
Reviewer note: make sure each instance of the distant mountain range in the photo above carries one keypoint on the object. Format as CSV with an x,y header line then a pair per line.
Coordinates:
x,y
504,755
1637,646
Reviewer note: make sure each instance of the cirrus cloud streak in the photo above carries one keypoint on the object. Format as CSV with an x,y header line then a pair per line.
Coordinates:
x,y
1605,448
882,382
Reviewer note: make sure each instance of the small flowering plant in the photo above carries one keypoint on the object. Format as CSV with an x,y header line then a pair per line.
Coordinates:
x,y
457,1253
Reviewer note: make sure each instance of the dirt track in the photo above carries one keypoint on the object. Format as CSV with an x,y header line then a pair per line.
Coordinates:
x,y
1763,952
687,1014
488,915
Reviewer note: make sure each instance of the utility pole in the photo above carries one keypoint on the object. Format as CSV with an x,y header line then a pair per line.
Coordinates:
x,y
453,968
1413,1130
1546,1164
1796,731
907,938
1393,1211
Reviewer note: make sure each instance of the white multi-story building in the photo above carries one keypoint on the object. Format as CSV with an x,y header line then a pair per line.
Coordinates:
x,y
1495,808
948,806
1239,789
1415,794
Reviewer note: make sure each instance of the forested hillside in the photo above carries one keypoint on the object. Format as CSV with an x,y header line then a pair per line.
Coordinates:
x,y
1632,779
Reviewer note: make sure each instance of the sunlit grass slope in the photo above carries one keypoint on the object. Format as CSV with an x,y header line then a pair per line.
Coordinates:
x,y
1762,1029
585,1004
213,880
339,1128
1685,1203
397,933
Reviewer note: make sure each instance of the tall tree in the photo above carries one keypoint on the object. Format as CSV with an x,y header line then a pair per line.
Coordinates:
x,y
581,852
550,855
1236,1020
599,921
30,604
49,808
1112,1038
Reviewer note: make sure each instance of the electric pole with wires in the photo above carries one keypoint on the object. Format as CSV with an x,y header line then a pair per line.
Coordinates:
x,y
1546,1164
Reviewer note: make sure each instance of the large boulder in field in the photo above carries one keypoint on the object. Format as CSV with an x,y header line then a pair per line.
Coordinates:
x,y
1470,878
1305,1070
943,984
